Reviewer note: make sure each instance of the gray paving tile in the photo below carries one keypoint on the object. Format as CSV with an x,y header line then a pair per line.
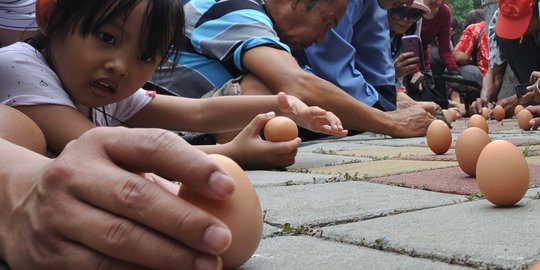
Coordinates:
x,y
310,160
476,232
303,252
268,230
345,201
261,179
328,146
417,141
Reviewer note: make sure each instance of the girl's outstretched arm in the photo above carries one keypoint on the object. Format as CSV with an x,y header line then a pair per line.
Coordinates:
x,y
230,113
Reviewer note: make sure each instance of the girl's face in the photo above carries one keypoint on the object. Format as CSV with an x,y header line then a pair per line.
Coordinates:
x,y
106,66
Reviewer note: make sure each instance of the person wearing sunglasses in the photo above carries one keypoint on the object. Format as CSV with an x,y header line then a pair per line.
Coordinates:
x,y
405,21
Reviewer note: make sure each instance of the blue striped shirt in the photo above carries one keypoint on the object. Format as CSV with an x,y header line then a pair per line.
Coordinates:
x,y
219,33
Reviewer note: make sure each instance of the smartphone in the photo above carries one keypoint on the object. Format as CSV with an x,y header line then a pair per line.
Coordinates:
x,y
521,89
412,43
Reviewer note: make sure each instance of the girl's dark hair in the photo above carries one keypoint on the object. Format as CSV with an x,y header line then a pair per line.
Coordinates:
x,y
162,31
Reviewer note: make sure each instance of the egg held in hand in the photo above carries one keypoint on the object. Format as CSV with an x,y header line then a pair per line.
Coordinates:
x,y
241,212
502,173
439,137
280,129
469,145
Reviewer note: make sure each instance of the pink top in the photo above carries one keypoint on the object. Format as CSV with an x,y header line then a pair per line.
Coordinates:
x,y
439,27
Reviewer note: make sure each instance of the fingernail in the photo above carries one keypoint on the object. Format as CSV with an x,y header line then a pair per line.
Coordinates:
x,y
221,184
206,262
217,238
270,114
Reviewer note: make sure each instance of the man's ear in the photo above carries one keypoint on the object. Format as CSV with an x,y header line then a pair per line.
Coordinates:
x,y
44,11
295,3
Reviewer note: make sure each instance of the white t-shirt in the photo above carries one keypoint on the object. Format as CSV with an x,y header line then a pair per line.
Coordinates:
x,y
18,14
26,79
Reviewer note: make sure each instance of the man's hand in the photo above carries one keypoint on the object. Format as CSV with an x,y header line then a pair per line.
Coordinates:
x,y
91,208
412,121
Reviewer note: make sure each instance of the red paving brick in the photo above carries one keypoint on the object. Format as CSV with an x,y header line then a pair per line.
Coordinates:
x,y
449,180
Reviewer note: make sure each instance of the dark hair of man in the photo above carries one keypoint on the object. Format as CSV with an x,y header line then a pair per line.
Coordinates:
x,y
473,16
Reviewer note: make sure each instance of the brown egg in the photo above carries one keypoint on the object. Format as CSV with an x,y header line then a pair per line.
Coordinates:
x,y
523,119
280,129
241,213
498,113
517,109
469,144
439,137
478,121
485,113
502,173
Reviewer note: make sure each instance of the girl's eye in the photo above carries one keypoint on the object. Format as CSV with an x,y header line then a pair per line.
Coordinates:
x,y
147,58
107,38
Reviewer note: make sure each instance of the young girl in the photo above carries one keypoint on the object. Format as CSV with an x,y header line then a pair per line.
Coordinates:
x,y
97,54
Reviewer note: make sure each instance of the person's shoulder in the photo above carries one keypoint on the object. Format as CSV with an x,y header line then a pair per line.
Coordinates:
x,y
20,51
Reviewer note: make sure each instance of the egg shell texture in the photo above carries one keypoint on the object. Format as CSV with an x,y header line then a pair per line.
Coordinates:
x,y
280,129
469,145
241,212
502,173
439,137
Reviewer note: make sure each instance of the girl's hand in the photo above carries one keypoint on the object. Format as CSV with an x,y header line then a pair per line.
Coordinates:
x,y
252,152
313,118
406,64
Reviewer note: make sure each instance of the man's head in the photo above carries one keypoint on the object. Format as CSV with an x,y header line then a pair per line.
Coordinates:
x,y
300,23
514,18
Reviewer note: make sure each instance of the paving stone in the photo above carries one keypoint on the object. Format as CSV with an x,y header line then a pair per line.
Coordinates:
x,y
261,179
329,146
310,160
418,141
379,168
302,252
269,230
386,152
448,180
344,201
476,232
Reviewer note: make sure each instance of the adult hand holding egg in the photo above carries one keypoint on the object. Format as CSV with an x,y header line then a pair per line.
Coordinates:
x,y
535,112
241,212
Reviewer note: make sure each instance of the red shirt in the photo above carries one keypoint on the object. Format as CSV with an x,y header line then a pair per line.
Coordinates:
x,y
468,41
439,27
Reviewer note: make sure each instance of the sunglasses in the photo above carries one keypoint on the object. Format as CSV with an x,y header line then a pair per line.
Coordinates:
x,y
399,13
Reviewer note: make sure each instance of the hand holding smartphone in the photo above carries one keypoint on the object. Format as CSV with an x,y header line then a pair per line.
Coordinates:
x,y
412,43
